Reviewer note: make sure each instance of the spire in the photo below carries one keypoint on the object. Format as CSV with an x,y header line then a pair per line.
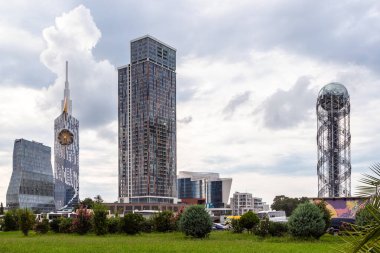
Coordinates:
x,y
66,102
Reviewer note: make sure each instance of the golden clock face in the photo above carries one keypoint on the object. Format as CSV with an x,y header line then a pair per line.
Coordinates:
x,y
65,137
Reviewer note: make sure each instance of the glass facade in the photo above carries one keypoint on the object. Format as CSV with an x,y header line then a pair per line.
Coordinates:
x,y
202,185
147,122
66,154
31,184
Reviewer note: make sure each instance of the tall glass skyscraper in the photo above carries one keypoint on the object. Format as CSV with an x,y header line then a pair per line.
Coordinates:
x,y
147,123
66,153
31,184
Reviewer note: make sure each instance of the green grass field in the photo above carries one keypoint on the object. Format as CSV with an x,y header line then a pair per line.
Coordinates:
x,y
160,242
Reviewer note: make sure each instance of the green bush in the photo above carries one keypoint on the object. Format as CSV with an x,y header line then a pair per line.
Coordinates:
x,y
147,225
277,228
263,227
307,221
249,220
26,220
82,223
10,222
100,219
325,212
131,223
164,221
113,225
54,225
42,227
363,218
65,225
196,222
236,227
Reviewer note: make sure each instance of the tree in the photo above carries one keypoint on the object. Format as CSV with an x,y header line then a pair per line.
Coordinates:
x,y
82,223
287,204
1,208
10,222
306,221
98,199
100,219
365,237
325,212
164,221
236,227
196,222
26,220
88,203
113,225
131,223
249,220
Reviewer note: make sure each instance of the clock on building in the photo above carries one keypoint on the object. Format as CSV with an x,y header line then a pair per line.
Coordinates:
x,y
65,137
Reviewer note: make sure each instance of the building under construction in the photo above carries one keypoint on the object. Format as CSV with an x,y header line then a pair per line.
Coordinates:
x,y
147,124
334,140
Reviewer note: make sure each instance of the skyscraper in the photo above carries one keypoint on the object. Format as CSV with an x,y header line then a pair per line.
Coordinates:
x,y
66,153
334,141
31,185
147,123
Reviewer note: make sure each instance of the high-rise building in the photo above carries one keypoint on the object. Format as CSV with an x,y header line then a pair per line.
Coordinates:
x,y
334,141
66,154
147,123
204,188
31,185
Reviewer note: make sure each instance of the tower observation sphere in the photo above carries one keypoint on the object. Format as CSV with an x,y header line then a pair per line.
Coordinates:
x,y
334,141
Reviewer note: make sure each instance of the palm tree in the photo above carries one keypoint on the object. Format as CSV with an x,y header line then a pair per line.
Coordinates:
x,y
367,238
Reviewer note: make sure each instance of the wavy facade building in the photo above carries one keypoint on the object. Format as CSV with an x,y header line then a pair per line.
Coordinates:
x,y
31,185
66,154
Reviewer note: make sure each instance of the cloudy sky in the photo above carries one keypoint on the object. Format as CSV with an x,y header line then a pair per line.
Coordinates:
x,y
248,74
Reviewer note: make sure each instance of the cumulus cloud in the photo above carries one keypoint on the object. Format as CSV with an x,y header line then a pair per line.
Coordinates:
x,y
285,109
234,103
92,83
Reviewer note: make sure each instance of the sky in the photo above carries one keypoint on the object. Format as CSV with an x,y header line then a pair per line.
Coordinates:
x,y
248,77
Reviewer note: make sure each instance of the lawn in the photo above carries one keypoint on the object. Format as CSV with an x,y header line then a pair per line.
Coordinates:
x,y
160,242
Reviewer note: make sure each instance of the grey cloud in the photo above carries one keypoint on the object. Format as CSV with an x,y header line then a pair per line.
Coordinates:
x,y
234,103
326,30
185,120
286,109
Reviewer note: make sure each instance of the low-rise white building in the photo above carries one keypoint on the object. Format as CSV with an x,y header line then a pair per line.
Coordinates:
x,y
244,202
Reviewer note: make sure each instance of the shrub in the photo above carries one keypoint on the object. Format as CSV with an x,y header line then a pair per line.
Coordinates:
x,y
82,223
100,219
54,225
147,225
307,221
325,212
113,225
277,228
65,225
177,218
42,227
196,222
26,220
164,221
236,227
364,218
249,220
10,222
263,227
131,223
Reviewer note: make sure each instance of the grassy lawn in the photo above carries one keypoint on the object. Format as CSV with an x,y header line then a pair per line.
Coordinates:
x,y
160,242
